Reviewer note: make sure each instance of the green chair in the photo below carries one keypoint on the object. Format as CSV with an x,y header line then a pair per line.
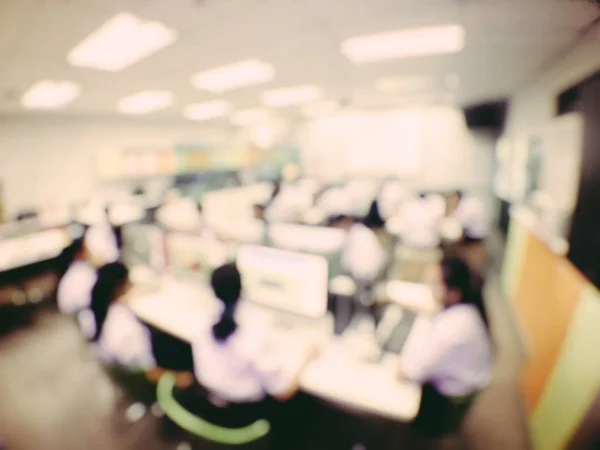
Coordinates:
x,y
200,427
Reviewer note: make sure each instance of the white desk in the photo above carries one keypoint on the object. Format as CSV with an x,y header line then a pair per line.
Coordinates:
x,y
334,376
416,297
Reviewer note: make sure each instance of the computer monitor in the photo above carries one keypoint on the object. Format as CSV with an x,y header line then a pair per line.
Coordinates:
x,y
194,256
143,245
283,280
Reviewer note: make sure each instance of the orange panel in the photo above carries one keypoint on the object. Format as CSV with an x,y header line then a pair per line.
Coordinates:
x,y
545,300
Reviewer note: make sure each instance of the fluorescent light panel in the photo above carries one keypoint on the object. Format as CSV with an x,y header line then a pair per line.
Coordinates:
x,y
121,42
207,110
404,44
247,117
291,96
145,102
234,76
49,94
319,109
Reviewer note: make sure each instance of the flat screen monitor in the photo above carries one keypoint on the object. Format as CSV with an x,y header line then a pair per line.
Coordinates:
x,y
283,280
143,245
194,256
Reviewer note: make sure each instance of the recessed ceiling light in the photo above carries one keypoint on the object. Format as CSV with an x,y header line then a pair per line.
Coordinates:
x,y
207,110
48,94
234,76
291,96
403,84
122,41
319,109
247,117
145,102
404,43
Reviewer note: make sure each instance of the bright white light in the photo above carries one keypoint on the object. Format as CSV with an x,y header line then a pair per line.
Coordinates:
x,y
246,117
291,96
145,102
48,94
403,84
234,76
207,110
404,44
122,41
319,109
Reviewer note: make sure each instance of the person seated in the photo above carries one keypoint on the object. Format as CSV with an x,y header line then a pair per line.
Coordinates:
x,y
455,361
100,239
363,256
470,213
234,357
116,335
419,223
75,286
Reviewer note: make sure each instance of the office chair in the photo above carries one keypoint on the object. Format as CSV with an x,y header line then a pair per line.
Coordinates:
x,y
199,427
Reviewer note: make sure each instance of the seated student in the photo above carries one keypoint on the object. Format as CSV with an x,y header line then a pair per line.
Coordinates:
x,y
455,362
470,213
100,240
363,256
117,336
232,353
75,286
237,360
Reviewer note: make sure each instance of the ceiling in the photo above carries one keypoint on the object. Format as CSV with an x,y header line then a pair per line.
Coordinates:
x,y
506,43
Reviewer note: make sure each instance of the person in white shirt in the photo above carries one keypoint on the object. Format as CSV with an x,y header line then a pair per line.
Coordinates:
x,y
455,361
470,213
236,357
75,286
363,255
116,335
100,241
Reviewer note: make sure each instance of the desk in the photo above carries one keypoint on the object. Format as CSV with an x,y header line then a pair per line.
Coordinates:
x,y
340,379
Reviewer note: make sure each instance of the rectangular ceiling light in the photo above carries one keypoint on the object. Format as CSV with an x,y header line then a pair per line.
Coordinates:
x,y
48,94
234,76
207,110
319,109
247,117
291,96
145,102
121,42
404,44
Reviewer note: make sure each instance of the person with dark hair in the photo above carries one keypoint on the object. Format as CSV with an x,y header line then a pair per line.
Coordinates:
x,y
455,362
234,357
117,336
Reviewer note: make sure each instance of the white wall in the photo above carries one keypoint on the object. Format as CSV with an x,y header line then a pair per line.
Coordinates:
x,y
535,103
52,160
434,151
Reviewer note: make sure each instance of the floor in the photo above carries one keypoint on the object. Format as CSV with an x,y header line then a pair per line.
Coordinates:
x,y
55,397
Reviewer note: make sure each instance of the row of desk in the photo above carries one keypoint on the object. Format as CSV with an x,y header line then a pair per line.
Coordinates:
x,y
337,375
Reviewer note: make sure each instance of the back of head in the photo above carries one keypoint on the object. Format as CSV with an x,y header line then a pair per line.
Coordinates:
x,y
111,278
226,283
457,275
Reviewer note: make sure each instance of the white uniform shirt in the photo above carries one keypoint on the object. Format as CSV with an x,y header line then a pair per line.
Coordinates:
x,y
337,201
124,340
363,256
456,356
75,287
421,221
244,367
289,205
101,242
470,212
